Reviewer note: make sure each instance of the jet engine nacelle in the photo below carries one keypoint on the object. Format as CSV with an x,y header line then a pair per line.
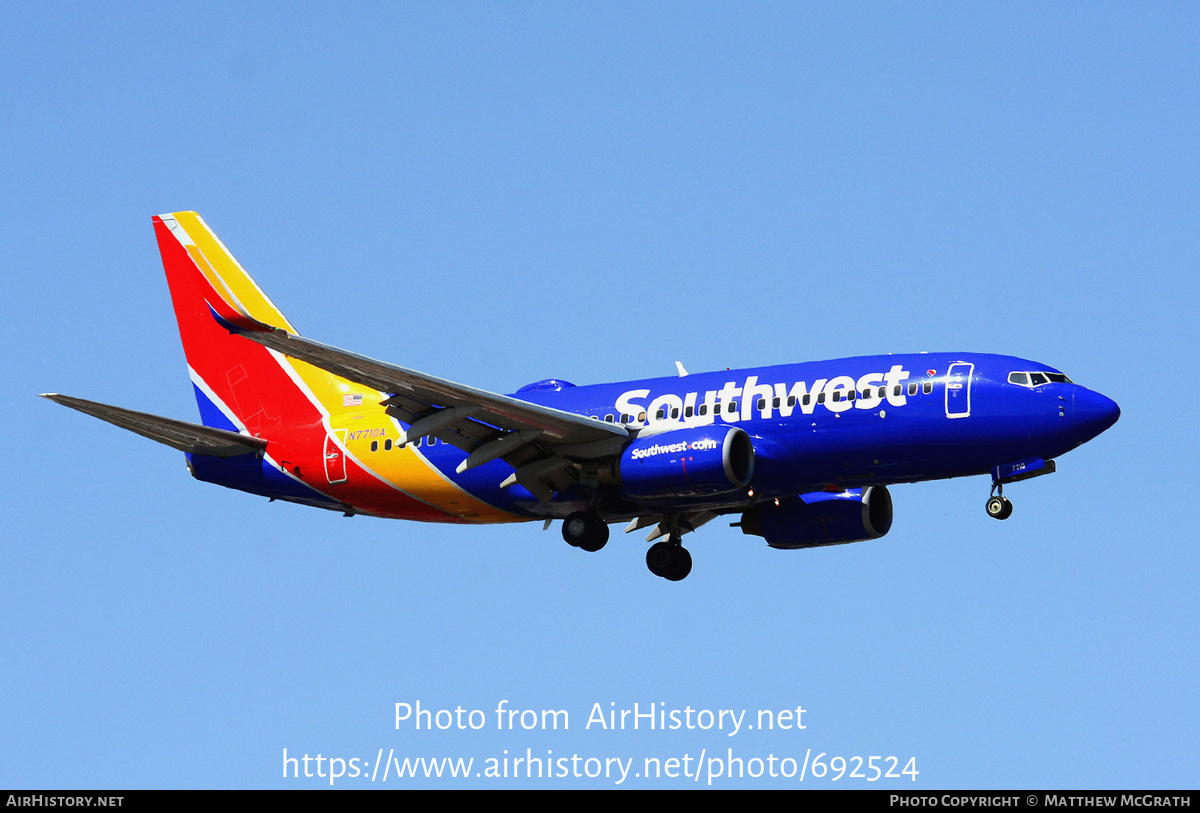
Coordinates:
x,y
681,462
822,518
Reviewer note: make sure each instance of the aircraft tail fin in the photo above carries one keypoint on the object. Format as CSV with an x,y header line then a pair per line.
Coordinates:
x,y
227,289
240,385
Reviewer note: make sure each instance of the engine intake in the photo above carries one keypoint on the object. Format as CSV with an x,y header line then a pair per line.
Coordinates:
x,y
684,462
822,518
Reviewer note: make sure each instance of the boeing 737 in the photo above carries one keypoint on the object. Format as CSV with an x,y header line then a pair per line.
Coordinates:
x,y
799,454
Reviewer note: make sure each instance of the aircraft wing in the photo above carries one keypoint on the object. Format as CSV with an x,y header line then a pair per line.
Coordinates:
x,y
181,435
414,395
544,445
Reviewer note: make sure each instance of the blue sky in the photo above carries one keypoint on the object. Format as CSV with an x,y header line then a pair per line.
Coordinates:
x,y
499,193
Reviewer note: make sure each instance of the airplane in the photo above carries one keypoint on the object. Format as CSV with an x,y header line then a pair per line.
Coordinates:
x,y
799,454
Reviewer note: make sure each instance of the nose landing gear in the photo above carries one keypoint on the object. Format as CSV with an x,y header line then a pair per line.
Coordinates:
x,y
998,506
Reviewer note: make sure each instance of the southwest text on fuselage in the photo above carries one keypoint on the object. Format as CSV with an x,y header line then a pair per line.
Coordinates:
x,y
733,403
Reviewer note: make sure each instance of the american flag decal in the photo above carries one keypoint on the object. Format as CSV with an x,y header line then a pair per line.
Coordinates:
x,y
352,399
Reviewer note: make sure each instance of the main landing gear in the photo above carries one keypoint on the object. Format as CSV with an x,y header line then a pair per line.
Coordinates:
x,y
998,506
586,531
669,559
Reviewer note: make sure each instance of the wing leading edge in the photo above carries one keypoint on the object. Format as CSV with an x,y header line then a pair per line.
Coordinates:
x,y
544,445
418,390
418,393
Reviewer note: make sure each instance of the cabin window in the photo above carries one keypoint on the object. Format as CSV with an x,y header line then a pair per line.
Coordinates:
x,y
762,403
703,410
775,403
387,445
733,407
927,387
687,412
662,413
374,446
675,412
912,389
608,418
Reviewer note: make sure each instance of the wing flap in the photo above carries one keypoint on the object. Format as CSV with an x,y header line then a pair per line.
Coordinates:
x,y
181,435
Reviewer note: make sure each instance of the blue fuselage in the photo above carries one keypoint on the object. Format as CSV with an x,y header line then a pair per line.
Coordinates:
x,y
868,420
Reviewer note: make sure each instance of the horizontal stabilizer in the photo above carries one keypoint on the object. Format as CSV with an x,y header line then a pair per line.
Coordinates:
x,y
181,435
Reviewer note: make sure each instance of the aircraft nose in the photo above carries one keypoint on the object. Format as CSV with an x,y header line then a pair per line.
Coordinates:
x,y
1094,413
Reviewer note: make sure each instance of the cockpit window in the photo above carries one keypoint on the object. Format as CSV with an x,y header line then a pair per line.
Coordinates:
x,y
1036,379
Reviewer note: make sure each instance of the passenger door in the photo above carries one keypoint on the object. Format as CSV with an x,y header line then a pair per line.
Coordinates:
x,y
958,389
335,460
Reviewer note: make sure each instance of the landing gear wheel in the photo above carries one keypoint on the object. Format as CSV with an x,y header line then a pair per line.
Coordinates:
x,y
669,560
681,564
999,507
586,531
658,558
